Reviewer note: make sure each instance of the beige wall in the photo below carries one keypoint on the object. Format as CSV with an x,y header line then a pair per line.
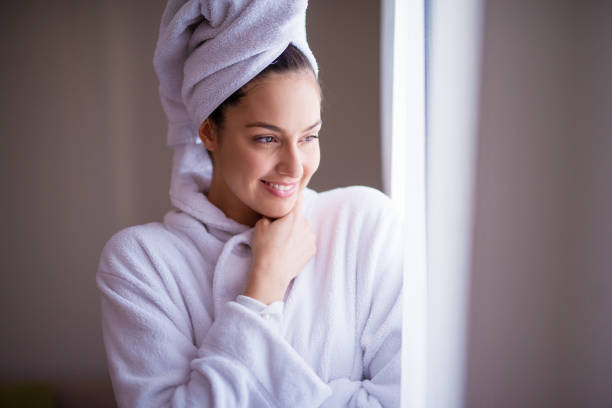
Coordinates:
x,y
82,154
540,333
345,37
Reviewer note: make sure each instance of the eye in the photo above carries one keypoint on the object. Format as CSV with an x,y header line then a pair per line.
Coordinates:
x,y
310,138
264,139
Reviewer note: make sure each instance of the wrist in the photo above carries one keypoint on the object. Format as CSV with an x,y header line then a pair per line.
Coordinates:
x,y
265,289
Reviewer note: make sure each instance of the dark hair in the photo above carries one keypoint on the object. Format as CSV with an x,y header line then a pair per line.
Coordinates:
x,y
291,60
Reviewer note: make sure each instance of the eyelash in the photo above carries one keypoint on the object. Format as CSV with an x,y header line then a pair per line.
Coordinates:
x,y
265,140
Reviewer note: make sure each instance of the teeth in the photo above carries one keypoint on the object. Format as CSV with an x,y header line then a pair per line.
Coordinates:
x,y
279,187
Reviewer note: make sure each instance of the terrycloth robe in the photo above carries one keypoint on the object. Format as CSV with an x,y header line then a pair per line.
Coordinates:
x,y
179,333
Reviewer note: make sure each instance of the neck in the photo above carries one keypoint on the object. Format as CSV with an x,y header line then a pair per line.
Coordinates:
x,y
231,205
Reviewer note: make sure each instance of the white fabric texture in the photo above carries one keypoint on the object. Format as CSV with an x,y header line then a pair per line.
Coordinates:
x,y
178,332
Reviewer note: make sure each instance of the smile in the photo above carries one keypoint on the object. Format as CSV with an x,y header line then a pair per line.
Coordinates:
x,y
280,190
279,186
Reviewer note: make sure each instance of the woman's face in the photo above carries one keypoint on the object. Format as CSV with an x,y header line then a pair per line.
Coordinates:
x,y
267,149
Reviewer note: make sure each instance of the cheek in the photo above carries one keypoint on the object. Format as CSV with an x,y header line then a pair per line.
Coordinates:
x,y
250,164
311,161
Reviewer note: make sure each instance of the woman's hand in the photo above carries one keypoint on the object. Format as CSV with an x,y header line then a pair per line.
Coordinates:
x,y
281,248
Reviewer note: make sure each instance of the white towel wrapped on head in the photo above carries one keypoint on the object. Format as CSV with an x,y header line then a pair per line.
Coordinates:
x,y
208,49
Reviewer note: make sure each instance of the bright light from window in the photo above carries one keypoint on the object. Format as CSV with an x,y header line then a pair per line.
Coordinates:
x,y
403,85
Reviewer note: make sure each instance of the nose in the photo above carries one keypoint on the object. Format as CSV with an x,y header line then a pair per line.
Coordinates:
x,y
290,163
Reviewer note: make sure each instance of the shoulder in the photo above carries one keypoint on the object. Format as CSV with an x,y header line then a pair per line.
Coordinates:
x,y
133,246
135,238
362,195
355,201
136,251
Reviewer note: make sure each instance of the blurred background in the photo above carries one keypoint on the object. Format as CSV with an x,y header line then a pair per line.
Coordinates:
x,y
83,155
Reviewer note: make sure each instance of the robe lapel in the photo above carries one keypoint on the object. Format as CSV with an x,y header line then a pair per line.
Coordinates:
x,y
232,270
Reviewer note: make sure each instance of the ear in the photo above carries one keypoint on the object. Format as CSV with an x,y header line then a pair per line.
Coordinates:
x,y
208,135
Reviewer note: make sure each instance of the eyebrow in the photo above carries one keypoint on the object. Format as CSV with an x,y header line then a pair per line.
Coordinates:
x,y
276,128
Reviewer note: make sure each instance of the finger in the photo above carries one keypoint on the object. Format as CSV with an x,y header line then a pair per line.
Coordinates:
x,y
262,222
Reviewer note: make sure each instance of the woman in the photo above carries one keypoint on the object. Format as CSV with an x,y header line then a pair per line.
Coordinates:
x,y
255,291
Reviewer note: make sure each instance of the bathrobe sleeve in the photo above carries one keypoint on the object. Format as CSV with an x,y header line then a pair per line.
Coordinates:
x,y
153,360
379,308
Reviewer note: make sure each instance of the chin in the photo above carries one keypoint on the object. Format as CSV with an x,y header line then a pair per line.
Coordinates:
x,y
277,212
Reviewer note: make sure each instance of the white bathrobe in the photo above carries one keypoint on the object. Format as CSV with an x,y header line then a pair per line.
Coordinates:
x,y
178,333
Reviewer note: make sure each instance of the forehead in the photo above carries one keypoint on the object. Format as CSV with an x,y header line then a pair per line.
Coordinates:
x,y
291,101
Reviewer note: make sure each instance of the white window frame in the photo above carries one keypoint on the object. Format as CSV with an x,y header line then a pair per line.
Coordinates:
x,y
404,173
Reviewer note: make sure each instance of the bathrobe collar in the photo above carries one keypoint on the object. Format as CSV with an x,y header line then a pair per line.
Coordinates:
x,y
191,177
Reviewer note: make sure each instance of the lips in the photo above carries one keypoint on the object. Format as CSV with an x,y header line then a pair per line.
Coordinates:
x,y
279,186
280,189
